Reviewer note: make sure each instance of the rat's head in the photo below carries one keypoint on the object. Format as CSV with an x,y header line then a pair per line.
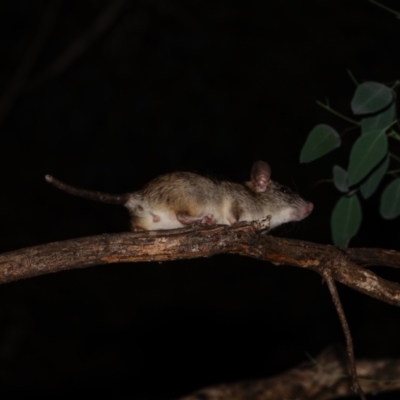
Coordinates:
x,y
283,204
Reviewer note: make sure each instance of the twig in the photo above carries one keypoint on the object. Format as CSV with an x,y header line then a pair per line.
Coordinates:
x,y
338,114
385,8
347,334
352,77
394,156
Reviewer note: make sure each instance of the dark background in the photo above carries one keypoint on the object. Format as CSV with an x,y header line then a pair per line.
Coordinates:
x,y
204,86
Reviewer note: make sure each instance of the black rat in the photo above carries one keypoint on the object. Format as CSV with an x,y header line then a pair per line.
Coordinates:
x,y
178,199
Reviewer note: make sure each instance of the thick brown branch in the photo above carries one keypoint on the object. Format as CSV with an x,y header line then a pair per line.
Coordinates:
x,y
323,379
374,257
243,239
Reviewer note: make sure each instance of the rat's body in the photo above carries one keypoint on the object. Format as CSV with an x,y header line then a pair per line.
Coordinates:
x,y
182,198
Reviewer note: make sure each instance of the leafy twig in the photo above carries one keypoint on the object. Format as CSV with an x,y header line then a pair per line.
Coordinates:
x,y
338,114
352,77
392,155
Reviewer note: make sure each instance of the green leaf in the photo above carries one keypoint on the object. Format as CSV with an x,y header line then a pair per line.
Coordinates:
x,y
368,150
372,183
379,122
390,200
371,97
346,220
321,140
340,178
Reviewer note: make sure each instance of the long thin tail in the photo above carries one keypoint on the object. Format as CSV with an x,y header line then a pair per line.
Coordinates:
x,y
88,194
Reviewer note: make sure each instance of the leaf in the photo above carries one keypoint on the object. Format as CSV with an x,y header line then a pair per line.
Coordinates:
x,y
390,200
321,140
340,178
372,183
371,97
346,220
365,155
379,122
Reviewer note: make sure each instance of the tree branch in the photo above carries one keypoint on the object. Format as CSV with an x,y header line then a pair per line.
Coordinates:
x,y
356,387
243,239
321,379
374,257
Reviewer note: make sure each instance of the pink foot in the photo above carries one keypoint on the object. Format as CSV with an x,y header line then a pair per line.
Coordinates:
x,y
208,219
185,219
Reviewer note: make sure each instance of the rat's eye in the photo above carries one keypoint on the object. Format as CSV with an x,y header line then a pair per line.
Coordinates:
x,y
284,189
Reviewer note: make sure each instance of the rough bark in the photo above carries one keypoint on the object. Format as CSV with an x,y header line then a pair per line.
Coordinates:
x,y
244,239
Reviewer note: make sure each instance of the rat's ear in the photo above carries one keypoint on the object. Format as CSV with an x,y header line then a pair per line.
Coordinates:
x,y
260,176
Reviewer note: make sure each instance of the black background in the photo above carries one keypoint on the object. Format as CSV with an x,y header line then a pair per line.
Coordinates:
x,y
204,86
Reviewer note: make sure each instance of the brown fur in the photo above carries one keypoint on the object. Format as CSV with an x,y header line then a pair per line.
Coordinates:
x,y
184,198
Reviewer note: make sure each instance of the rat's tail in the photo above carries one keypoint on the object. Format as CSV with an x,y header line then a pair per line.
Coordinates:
x,y
88,194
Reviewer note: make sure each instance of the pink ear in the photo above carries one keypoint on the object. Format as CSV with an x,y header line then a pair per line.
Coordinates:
x,y
260,176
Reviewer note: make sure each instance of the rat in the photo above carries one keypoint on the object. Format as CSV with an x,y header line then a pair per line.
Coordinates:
x,y
179,199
